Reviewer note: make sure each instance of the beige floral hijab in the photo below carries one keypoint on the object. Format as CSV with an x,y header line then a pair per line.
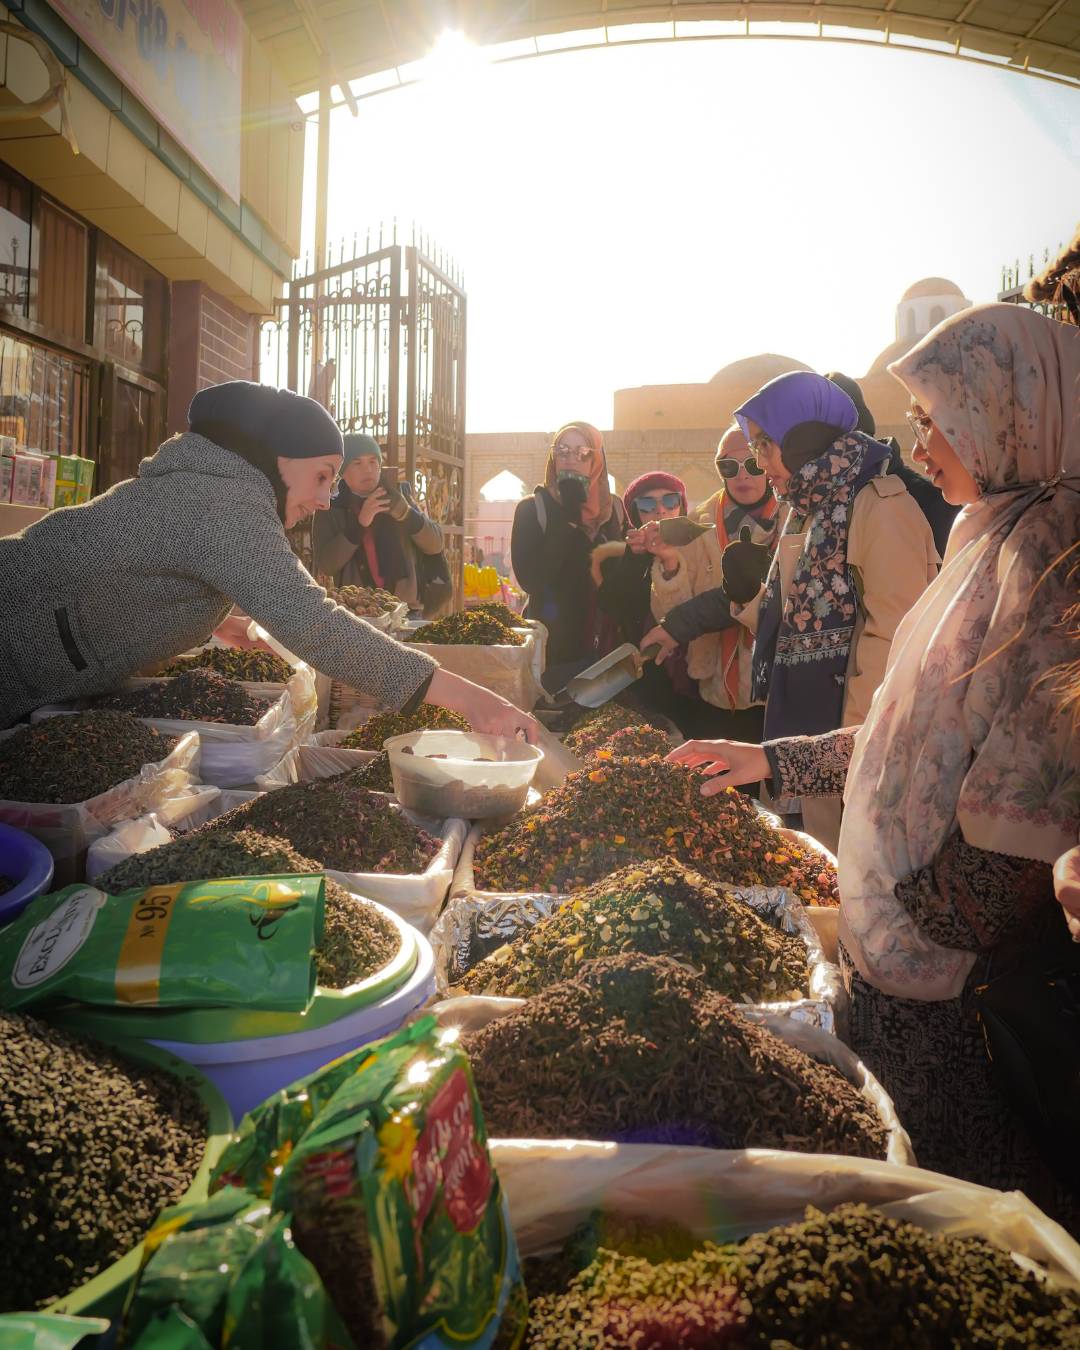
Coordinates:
x,y
967,729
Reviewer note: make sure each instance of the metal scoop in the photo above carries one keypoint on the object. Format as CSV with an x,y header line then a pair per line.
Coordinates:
x,y
678,531
601,681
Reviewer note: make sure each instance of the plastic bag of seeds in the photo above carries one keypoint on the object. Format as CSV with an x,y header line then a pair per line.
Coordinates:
x,y
395,1202
67,829
229,1269
192,944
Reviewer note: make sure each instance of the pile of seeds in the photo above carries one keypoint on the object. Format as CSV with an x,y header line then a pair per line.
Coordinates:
x,y
357,940
371,734
471,628
618,1284
657,908
338,822
234,664
899,1288
92,1148
366,602
640,1049
73,758
196,696
851,1278
618,811
639,742
594,731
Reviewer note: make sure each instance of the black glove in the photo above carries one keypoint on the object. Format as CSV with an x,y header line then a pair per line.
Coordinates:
x,y
744,565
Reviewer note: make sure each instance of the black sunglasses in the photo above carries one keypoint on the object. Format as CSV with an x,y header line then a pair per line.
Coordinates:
x,y
668,500
729,468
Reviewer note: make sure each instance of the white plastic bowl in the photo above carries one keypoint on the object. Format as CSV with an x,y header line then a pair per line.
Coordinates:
x,y
461,774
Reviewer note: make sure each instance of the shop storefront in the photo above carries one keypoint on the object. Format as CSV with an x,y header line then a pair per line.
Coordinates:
x,y
142,236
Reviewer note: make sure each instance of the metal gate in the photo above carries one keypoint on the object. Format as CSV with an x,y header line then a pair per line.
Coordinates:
x,y
379,339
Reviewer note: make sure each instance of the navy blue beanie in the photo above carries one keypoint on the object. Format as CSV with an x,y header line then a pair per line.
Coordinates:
x,y
262,422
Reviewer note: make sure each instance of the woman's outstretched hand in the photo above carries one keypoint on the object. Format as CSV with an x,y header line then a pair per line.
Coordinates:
x,y
1067,888
726,763
488,713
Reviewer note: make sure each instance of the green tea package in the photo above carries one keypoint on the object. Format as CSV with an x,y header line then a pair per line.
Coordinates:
x,y
190,944
396,1204
47,1331
226,1273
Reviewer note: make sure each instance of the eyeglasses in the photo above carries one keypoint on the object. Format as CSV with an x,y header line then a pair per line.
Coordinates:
x,y
580,453
668,500
729,468
922,426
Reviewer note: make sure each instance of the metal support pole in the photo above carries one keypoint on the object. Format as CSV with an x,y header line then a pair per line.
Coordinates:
x,y
322,193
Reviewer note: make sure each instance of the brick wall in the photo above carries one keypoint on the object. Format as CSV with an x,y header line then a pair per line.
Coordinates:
x,y
210,341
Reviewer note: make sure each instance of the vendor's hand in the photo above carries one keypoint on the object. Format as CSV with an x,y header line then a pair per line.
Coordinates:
x,y
660,637
1067,888
488,713
234,633
727,763
373,506
635,541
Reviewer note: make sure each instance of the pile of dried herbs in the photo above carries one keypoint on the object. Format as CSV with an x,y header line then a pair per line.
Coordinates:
x,y
638,742
338,822
618,811
253,666
357,940
595,730
366,602
375,775
77,756
92,1148
195,696
659,908
499,611
371,734
469,628
849,1279
640,1049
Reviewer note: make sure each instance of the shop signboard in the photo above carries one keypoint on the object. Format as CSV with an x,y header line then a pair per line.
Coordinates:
x,y
183,59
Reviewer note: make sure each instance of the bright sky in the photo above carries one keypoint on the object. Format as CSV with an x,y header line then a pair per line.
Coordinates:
x,y
648,214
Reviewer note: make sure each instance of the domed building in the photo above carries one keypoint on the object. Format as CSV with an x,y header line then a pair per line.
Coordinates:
x,y
698,406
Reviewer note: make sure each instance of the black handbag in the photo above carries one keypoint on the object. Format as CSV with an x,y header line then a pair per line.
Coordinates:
x,y
1029,1009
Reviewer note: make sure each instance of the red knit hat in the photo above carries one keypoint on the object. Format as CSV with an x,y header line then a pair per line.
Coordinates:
x,y
656,481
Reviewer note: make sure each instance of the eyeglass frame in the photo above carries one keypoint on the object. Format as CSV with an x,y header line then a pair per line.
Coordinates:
x,y
580,453
922,424
668,500
752,472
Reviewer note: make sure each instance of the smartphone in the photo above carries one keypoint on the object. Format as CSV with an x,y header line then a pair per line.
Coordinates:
x,y
389,477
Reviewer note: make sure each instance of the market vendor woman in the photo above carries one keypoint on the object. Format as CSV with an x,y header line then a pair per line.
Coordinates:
x,y
97,593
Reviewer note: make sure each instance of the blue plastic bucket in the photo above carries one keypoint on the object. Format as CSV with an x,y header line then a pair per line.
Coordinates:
x,y
29,864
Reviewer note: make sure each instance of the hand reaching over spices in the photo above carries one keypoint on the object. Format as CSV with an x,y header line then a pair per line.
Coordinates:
x,y
1067,888
660,637
233,631
488,713
727,763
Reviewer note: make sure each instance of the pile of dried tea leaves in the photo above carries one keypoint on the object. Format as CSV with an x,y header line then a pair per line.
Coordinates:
x,y
471,628
253,666
638,742
640,1049
497,610
371,734
76,756
658,908
375,775
357,939
195,696
618,811
366,602
849,1279
339,823
92,1148
593,731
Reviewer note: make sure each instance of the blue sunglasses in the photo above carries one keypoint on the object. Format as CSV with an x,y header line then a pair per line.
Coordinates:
x,y
667,500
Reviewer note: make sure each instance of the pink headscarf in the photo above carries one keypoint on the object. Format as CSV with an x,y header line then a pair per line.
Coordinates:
x,y
966,729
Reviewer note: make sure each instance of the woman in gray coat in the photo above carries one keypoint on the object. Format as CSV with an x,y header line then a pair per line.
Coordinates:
x,y
98,592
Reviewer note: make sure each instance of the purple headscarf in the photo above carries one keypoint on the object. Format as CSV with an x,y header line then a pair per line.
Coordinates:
x,y
794,399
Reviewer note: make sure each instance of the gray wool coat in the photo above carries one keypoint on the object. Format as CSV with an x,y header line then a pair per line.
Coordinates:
x,y
93,594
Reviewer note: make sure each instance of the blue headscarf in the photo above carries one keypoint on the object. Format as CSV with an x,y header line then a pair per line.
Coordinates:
x,y
802,412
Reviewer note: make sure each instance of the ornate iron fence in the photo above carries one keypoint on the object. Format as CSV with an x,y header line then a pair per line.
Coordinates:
x,y
380,340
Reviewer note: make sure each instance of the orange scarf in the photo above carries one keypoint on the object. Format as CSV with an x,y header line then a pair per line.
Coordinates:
x,y
730,638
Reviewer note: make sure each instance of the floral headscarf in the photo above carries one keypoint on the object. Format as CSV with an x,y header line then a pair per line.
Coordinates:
x,y
967,729
598,507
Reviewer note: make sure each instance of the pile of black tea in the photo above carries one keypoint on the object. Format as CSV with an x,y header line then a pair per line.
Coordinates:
x,y
371,734
253,666
92,1147
640,1049
195,696
357,939
74,757
660,908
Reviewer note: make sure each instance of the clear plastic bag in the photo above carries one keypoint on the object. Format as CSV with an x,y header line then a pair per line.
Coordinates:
x,y
554,1185
146,832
